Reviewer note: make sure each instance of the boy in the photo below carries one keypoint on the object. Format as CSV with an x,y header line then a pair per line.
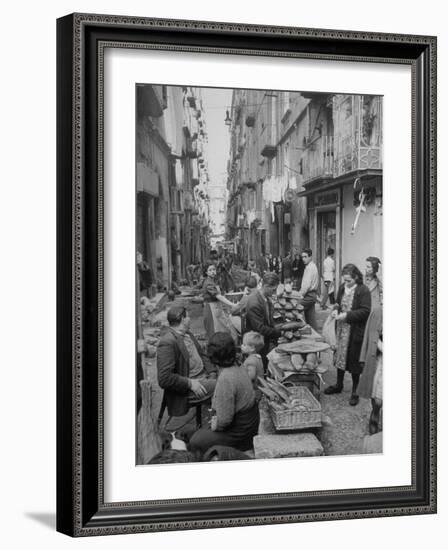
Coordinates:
x,y
253,342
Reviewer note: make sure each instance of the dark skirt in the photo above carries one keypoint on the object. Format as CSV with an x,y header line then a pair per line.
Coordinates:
x,y
239,434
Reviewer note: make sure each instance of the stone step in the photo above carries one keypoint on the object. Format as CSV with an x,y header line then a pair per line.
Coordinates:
x,y
288,445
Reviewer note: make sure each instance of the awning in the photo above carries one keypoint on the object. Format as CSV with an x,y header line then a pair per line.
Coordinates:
x,y
325,184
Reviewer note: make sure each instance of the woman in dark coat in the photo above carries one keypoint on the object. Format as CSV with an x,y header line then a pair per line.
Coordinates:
x,y
351,311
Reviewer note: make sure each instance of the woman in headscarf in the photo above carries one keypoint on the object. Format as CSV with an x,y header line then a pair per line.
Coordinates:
x,y
236,418
373,283
351,311
215,318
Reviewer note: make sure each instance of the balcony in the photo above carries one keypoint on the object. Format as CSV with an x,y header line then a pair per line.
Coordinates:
x,y
194,173
188,201
268,146
354,147
318,161
147,179
192,148
357,133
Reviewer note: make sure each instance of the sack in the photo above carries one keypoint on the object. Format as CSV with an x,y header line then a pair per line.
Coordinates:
x,y
329,331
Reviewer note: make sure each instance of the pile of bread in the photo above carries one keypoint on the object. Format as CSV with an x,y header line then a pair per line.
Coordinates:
x,y
288,313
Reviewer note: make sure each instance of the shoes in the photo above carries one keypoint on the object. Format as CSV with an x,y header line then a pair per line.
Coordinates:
x,y
354,400
373,423
333,389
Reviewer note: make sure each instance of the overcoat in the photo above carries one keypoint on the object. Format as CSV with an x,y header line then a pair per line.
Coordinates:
x,y
357,319
259,317
368,356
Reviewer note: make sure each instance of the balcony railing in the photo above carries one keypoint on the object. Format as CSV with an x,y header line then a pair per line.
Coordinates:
x,y
268,147
318,160
355,145
357,133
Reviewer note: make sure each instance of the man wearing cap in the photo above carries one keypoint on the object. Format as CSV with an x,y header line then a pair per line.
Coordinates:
x,y
183,370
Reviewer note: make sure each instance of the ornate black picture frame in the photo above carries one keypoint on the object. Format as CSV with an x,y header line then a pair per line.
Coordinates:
x,y
81,40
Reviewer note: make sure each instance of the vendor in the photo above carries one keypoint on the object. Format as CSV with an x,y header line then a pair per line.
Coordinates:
x,y
236,418
259,314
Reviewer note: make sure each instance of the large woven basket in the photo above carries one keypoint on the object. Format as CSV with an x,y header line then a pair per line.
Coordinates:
x,y
290,420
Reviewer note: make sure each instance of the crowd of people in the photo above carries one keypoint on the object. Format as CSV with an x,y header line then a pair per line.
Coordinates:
x,y
189,376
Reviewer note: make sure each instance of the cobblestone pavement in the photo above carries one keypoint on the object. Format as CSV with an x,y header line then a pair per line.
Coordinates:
x,y
349,425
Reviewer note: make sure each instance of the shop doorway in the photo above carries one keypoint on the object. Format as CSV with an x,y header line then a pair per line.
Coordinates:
x,y
326,236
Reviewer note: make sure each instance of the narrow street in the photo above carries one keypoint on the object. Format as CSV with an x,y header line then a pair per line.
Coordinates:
x,y
250,183
344,427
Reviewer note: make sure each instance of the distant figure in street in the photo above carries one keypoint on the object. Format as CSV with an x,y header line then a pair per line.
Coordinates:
x,y
216,319
183,370
236,417
263,264
351,311
309,288
259,314
298,267
287,268
145,276
224,278
373,282
328,278
275,268
253,270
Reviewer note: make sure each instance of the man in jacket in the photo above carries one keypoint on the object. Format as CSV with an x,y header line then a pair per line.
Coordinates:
x,y
259,314
183,370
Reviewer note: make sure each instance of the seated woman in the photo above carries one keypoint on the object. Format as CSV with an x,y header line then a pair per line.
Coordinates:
x,y
236,418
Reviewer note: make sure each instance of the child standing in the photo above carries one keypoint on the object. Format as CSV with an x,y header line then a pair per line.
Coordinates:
x,y
253,342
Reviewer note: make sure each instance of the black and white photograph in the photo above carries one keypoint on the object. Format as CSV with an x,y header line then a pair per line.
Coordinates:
x,y
259,295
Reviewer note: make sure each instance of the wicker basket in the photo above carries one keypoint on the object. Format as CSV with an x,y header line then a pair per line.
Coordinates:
x,y
290,420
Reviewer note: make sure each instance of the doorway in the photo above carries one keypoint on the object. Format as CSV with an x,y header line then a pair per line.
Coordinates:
x,y
326,236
